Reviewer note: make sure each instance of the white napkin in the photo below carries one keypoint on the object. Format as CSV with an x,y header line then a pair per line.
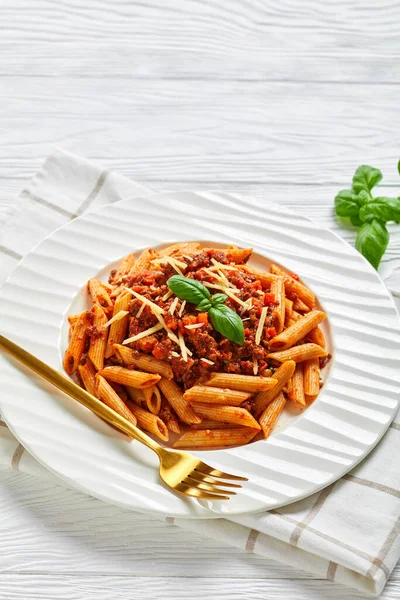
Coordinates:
x,y
348,533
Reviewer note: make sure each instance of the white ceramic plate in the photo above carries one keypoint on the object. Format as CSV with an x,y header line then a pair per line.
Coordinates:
x,y
354,409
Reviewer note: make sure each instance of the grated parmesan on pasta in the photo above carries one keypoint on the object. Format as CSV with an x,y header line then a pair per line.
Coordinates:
x,y
120,315
143,334
260,326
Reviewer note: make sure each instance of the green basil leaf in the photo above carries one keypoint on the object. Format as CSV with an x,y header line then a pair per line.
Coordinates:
x,y
365,178
227,322
347,203
218,299
191,290
398,167
204,305
356,221
372,241
383,209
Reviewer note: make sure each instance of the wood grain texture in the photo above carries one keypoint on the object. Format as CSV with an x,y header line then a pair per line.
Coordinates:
x,y
61,587
276,99
183,131
243,40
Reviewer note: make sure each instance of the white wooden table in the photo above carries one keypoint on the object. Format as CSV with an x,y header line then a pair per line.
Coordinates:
x,y
272,98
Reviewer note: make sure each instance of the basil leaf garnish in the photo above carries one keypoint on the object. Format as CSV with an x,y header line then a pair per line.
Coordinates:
x,y
372,241
227,322
191,290
224,320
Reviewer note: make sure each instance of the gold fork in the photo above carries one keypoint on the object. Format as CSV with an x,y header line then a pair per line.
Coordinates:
x,y
179,470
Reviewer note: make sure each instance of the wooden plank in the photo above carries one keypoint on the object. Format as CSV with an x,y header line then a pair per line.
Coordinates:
x,y
274,40
62,587
183,131
46,528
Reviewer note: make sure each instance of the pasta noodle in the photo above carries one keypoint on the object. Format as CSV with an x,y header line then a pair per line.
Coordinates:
x,y
299,353
297,331
215,395
244,383
129,377
282,376
295,385
271,414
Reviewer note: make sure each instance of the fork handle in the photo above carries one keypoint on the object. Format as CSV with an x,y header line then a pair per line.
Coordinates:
x,y
77,393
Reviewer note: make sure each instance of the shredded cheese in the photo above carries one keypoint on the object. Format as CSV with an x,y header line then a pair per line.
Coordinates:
x,y
182,308
175,354
183,347
189,258
222,266
120,315
194,326
154,308
260,326
167,295
176,264
221,287
143,334
246,319
173,305
209,362
229,293
139,312
255,366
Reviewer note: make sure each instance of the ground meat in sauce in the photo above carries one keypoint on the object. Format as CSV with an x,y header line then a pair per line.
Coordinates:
x,y
203,342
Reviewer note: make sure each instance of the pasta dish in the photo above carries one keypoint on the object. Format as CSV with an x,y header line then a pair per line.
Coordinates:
x,y
193,342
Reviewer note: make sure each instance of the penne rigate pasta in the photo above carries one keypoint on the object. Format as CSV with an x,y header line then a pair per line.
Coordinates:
x,y
316,336
311,378
271,414
293,286
244,383
129,377
132,358
143,262
299,353
226,414
120,390
118,329
282,376
213,425
100,295
278,289
167,415
215,438
215,395
174,395
295,385
297,331
77,342
109,396
88,375
124,268
136,395
298,304
148,421
263,276
237,255
288,308
98,338
180,249
152,398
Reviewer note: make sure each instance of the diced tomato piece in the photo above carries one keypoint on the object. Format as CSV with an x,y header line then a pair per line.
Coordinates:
x,y
294,276
202,318
257,284
269,298
271,332
247,332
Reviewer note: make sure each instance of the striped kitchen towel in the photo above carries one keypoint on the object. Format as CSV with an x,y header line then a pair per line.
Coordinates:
x,y
348,532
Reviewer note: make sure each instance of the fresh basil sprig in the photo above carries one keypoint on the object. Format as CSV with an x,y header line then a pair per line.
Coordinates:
x,y
368,212
224,320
